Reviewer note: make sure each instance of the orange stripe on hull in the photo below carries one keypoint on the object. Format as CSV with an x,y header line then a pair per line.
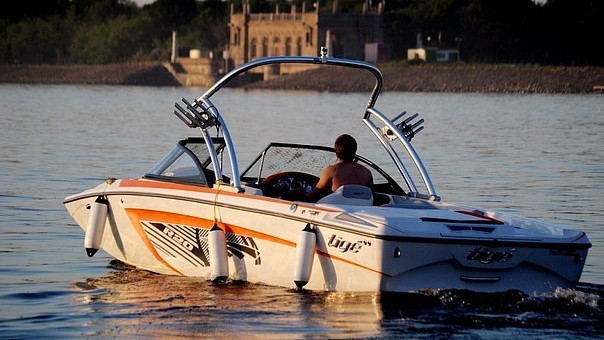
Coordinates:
x,y
136,223
198,222
321,253
136,215
136,183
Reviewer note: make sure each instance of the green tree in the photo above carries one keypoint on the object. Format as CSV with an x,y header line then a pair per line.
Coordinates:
x,y
37,40
106,31
209,29
115,40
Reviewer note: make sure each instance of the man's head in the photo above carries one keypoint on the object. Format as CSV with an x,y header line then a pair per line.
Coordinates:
x,y
345,147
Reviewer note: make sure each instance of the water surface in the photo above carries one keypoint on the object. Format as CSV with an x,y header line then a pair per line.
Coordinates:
x,y
540,156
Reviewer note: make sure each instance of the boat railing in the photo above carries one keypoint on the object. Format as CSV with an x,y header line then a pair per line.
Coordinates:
x,y
404,132
203,105
321,60
203,114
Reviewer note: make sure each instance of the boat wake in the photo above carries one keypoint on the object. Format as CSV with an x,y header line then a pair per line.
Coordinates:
x,y
576,310
425,313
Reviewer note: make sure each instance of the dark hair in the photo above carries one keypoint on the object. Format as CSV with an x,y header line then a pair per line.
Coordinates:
x,y
345,147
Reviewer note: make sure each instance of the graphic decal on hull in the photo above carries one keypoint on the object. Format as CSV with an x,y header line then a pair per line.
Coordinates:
x,y
191,244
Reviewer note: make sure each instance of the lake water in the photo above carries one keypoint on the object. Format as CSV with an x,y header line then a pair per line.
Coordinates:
x,y
541,156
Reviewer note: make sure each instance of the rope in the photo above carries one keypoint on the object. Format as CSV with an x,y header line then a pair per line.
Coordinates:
x,y
219,183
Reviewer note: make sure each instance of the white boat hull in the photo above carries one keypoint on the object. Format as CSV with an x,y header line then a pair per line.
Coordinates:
x,y
163,227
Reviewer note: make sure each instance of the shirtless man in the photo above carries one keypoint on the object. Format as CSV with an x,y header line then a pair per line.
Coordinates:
x,y
344,171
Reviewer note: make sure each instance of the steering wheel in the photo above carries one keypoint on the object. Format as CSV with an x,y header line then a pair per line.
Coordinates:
x,y
285,185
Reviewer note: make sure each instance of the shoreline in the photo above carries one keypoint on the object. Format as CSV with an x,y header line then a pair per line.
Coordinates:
x,y
471,78
144,74
450,78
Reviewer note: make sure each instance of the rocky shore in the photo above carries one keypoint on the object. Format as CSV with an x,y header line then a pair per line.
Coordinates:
x,y
151,74
418,78
451,78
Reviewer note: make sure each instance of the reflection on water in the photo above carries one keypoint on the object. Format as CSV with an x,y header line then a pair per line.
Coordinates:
x,y
132,302
177,306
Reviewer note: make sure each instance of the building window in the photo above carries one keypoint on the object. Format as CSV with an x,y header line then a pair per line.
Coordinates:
x,y
309,36
276,42
288,46
265,47
236,38
253,49
299,46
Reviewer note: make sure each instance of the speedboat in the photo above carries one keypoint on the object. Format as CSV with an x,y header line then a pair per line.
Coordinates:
x,y
197,213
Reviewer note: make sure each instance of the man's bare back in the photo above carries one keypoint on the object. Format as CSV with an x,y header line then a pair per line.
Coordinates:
x,y
343,173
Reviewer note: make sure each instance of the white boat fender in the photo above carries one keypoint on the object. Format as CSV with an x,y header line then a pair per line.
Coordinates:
x,y
305,253
96,225
218,254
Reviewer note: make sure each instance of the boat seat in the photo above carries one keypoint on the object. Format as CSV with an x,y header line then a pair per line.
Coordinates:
x,y
349,195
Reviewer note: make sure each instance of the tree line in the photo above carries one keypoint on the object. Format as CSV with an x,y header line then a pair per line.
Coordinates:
x,y
556,32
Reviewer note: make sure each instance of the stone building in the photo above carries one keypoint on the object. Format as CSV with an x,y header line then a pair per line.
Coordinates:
x,y
303,32
437,53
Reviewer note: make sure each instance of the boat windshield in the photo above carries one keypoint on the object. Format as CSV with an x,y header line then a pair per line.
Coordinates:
x,y
310,159
188,162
